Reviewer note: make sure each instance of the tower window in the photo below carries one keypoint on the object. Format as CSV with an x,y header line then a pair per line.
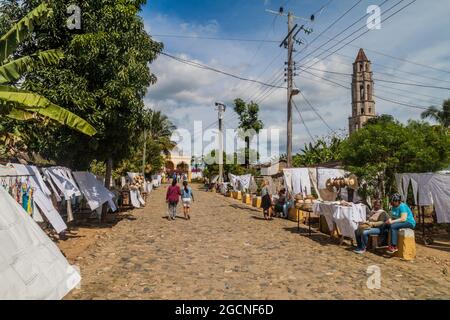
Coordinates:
x,y
369,92
362,93
370,110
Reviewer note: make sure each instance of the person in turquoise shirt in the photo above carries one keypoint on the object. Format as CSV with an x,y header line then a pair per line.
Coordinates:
x,y
402,218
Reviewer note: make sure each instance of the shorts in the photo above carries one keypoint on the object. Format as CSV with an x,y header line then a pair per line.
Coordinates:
x,y
187,202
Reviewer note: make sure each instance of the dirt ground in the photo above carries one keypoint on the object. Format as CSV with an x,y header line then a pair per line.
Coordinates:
x,y
227,251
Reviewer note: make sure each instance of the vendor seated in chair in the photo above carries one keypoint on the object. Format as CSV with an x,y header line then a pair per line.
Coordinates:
x,y
375,225
283,203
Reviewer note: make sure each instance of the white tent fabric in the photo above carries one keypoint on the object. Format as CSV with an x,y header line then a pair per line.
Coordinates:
x,y
31,265
41,198
93,190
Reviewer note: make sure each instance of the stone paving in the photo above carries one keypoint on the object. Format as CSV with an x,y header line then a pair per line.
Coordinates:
x,y
227,251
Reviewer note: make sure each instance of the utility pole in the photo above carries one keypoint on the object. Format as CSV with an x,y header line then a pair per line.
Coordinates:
x,y
290,82
221,109
143,155
288,43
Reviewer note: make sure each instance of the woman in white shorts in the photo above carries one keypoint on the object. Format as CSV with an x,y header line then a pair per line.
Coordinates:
x,y
187,197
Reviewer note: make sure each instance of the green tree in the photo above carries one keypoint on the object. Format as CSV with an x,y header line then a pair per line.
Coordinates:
x,y
105,75
322,151
249,124
385,147
441,116
20,104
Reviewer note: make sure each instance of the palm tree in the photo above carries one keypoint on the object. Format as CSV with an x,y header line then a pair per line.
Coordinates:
x,y
25,105
159,129
442,116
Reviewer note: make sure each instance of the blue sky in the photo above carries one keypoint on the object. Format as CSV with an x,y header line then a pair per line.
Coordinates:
x,y
419,33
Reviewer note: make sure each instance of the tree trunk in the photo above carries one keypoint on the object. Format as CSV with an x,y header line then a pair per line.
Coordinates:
x,y
247,152
108,177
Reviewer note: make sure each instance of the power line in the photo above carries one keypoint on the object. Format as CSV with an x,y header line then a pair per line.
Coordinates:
x,y
181,36
205,67
316,112
359,36
304,123
375,96
387,81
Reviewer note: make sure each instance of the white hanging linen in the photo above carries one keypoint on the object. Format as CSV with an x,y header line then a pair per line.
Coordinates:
x,y
399,183
415,186
56,192
135,199
233,181
406,180
37,215
66,185
425,198
440,190
31,265
288,180
93,190
245,181
41,199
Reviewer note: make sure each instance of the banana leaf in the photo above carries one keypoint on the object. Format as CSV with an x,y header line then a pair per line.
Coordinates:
x,y
30,102
13,70
10,40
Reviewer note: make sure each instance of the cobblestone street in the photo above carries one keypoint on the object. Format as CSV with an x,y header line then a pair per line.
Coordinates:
x,y
227,251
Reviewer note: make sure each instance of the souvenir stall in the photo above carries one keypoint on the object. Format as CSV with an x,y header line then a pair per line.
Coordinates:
x,y
134,192
40,196
429,190
31,265
342,218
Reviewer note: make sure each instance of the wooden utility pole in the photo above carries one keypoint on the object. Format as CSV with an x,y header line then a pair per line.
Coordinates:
x,y
221,109
288,43
290,81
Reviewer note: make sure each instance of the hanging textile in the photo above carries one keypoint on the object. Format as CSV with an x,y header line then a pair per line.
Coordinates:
x,y
135,199
288,180
56,193
65,184
325,174
406,181
399,183
42,199
93,190
440,190
31,265
424,192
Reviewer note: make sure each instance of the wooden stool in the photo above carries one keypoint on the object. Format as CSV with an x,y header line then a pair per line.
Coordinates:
x,y
247,199
406,244
257,202
373,242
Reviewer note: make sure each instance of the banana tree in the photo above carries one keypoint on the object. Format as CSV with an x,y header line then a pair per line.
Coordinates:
x,y
20,104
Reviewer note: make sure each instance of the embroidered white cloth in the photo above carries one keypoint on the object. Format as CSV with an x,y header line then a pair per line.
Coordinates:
x,y
134,197
64,182
93,190
31,265
345,218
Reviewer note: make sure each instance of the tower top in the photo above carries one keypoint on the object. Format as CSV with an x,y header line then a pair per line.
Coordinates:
x,y
361,56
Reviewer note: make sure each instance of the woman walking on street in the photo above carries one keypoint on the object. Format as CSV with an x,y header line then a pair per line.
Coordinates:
x,y
266,202
187,197
172,198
